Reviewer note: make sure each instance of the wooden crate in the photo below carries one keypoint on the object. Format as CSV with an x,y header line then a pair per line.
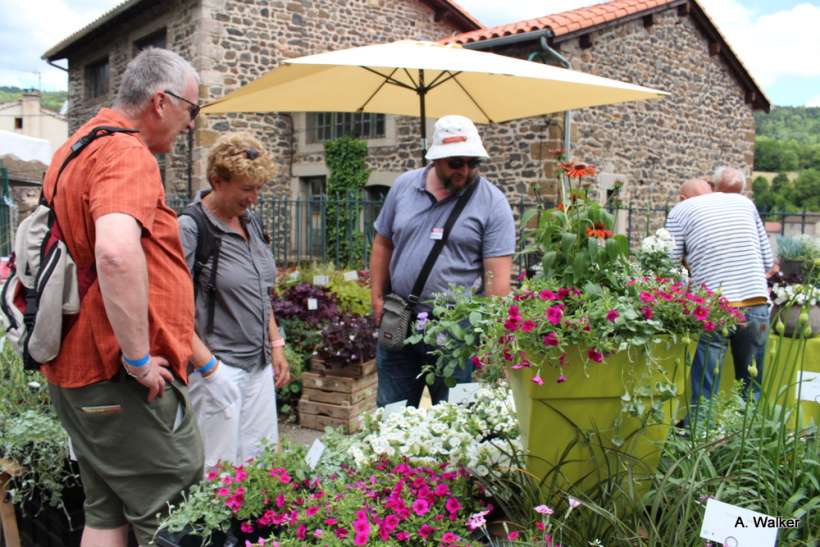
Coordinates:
x,y
336,401
354,370
319,423
337,390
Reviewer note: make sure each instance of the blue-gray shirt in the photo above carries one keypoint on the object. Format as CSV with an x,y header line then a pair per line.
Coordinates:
x,y
485,229
244,278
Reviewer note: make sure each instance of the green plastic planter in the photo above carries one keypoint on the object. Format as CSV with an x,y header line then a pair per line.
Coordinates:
x,y
568,428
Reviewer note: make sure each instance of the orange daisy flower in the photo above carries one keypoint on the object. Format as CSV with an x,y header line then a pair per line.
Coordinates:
x,y
579,170
598,230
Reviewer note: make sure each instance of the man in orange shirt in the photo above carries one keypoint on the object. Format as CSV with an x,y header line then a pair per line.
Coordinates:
x,y
119,382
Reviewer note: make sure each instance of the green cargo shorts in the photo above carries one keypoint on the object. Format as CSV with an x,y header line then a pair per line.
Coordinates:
x,y
135,457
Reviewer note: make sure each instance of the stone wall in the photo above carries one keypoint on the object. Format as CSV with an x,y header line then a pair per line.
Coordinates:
x,y
652,146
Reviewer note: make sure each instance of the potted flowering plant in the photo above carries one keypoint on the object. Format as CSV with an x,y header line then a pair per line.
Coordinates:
x,y
276,499
594,343
795,291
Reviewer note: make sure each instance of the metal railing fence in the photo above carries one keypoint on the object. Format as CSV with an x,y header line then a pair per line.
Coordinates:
x,y
300,229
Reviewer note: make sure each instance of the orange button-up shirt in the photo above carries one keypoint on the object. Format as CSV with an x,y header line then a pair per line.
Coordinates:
x,y
118,174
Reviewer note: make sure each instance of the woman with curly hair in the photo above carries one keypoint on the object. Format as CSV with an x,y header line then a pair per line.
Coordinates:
x,y
236,341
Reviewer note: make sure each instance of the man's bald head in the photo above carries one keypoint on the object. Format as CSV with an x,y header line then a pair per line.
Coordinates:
x,y
694,187
729,180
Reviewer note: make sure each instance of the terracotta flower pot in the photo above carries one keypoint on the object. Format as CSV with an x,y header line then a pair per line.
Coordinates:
x,y
585,410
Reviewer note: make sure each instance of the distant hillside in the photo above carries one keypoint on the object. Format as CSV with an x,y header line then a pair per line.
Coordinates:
x,y
786,123
50,99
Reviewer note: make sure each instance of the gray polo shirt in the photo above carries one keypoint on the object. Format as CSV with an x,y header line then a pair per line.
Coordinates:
x,y
409,218
245,276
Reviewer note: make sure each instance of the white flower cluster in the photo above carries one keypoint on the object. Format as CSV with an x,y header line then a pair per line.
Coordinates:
x,y
661,242
795,294
481,435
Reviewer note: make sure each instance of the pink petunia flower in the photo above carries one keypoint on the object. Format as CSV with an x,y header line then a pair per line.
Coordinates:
x,y
612,315
528,326
547,295
595,356
361,539
708,325
421,507
426,530
513,536
646,297
449,537
554,315
701,313
538,379
452,505
551,339
561,378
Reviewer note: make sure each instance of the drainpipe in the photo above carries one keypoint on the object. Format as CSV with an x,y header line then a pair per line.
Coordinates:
x,y
542,36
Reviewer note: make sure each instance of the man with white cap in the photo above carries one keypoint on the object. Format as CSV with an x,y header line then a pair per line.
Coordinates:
x,y
478,251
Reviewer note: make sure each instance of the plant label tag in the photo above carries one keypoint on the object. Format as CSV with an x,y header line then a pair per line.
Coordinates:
x,y
352,275
437,233
733,526
808,386
463,393
315,453
313,304
393,408
321,280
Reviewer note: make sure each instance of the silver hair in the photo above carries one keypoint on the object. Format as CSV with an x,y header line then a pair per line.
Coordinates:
x,y
736,176
152,70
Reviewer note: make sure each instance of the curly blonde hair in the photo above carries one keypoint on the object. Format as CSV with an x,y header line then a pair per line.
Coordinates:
x,y
226,161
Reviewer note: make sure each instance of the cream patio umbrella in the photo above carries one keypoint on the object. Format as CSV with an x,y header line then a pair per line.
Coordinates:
x,y
425,79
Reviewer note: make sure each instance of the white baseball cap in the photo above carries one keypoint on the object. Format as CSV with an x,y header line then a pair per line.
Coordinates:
x,y
456,136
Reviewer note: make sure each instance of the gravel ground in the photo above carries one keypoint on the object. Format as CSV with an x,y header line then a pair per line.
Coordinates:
x,y
299,435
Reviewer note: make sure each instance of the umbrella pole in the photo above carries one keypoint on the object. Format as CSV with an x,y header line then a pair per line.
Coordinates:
x,y
423,121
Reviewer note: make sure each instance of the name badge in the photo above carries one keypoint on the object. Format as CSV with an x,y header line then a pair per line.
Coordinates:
x,y
437,233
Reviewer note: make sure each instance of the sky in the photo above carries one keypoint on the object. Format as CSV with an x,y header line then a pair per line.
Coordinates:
x,y
777,40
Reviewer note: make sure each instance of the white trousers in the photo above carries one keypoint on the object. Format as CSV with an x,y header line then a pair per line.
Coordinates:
x,y
236,411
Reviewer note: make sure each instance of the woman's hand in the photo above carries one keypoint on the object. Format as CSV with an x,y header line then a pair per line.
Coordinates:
x,y
281,370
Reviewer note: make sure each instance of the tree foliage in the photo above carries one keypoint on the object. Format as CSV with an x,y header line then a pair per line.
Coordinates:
x,y
50,99
787,141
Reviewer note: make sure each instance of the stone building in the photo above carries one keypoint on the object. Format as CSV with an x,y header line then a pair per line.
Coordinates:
x,y
232,43
651,146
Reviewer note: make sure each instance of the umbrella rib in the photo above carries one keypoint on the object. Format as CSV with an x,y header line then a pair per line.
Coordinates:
x,y
478,106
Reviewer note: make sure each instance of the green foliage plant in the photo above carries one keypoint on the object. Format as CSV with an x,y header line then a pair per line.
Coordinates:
x,y
31,436
346,159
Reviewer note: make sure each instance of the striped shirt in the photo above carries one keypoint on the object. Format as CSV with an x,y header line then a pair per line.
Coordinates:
x,y
724,242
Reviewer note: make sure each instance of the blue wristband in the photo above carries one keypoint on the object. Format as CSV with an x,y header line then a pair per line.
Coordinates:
x,y
209,366
137,363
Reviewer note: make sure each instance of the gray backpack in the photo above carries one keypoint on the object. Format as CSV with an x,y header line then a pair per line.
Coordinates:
x,y
41,298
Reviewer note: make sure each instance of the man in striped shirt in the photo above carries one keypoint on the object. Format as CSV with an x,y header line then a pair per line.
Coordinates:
x,y
727,249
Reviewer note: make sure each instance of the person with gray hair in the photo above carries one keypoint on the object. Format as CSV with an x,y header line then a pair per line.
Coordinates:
x,y
729,180
727,249
119,383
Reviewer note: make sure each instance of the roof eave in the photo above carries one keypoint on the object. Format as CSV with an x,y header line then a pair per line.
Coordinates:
x,y
62,49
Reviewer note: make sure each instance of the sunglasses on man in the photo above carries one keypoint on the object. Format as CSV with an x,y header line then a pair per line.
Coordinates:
x,y
195,108
459,163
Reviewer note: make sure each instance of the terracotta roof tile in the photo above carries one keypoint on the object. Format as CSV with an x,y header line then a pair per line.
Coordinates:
x,y
562,23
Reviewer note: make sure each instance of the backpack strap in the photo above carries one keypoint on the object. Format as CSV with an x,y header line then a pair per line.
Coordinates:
x,y
208,243
77,147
